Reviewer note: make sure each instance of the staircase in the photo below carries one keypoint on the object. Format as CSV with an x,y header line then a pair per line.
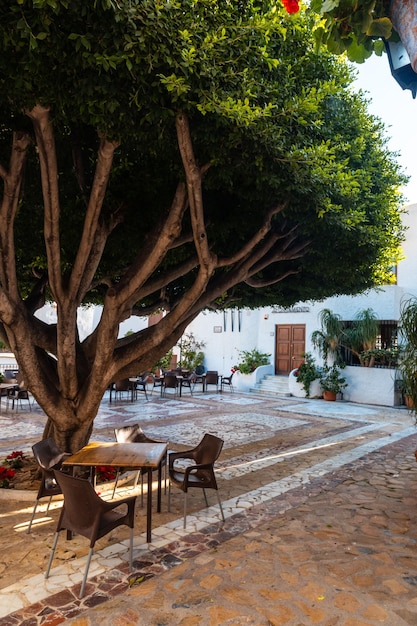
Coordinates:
x,y
276,386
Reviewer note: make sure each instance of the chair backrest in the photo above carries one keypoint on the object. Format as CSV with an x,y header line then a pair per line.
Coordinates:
x,y
122,385
81,504
170,381
47,454
212,378
133,434
208,450
199,370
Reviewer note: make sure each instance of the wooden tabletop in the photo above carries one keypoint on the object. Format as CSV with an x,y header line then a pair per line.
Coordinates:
x,y
119,454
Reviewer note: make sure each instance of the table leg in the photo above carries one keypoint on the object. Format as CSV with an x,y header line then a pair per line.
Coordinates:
x,y
149,508
158,505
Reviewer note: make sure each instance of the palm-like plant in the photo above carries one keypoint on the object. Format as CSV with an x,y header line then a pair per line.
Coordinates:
x,y
327,339
363,334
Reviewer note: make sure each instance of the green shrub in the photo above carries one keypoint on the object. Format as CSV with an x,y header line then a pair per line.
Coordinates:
x,y
307,372
250,360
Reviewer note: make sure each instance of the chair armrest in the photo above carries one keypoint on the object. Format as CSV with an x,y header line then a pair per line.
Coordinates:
x,y
173,456
130,501
202,466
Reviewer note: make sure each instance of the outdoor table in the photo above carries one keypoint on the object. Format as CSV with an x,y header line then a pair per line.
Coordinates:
x,y
147,456
6,387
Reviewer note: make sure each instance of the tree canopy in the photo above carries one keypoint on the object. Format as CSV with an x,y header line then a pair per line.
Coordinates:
x,y
174,155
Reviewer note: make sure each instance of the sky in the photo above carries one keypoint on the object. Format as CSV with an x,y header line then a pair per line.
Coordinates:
x,y
397,109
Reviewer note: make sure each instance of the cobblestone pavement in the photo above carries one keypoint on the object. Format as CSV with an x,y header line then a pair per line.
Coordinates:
x,y
321,511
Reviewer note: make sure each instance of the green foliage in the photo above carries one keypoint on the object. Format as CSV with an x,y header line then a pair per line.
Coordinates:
x,y
191,353
164,362
250,360
360,338
408,361
275,122
308,372
379,357
331,378
357,28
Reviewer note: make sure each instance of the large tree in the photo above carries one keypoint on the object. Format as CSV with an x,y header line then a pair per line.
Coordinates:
x,y
173,155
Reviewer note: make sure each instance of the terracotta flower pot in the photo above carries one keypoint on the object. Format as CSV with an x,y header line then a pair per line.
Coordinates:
x,y
404,19
329,395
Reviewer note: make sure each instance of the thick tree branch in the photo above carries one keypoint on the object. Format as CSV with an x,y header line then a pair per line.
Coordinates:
x,y
80,278
193,176
258,284
10,201
49,177
152,253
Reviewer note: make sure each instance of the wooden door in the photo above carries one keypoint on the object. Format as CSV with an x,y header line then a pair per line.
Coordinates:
x,y
289,347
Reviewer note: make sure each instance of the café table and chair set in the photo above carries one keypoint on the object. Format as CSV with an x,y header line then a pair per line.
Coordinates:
x,y
84,512
170,382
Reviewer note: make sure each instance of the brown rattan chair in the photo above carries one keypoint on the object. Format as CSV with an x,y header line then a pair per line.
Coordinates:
x,y
19,393
212,378
119,387
86,514
49,457
200,473
134,434
170,381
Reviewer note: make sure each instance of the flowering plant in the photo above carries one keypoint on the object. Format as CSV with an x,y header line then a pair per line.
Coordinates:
x,y
6,475
15,459
106,473
291,6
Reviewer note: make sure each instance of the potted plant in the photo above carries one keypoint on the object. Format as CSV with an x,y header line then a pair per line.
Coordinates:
x,y
307,374
332,381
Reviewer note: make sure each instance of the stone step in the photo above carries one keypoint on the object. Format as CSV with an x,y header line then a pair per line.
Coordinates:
x,y
272,386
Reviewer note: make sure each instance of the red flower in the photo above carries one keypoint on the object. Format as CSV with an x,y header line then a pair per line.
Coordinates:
x,y
291,6
17,454
106,473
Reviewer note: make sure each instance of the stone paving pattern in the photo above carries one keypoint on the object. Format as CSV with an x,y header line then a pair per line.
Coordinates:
x,y
336,546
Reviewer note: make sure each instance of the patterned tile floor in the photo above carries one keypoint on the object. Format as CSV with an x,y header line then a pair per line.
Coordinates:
x,y
278,455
